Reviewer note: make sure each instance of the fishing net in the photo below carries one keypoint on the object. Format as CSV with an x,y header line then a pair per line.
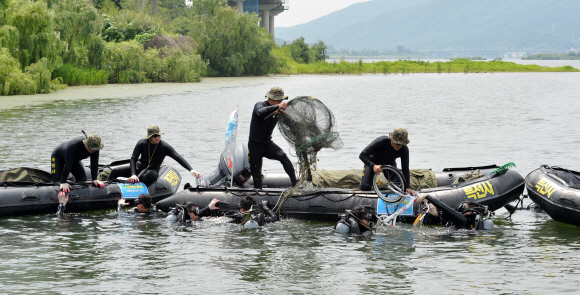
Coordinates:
x,y
308,125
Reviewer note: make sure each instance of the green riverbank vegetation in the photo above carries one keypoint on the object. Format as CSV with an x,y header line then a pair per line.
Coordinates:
x,y
291,61
46,45
553,56
410,66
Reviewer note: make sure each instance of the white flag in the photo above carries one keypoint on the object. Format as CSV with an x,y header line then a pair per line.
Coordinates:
x,y
231,135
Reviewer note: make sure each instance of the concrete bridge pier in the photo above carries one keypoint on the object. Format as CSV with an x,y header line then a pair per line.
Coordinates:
x,y
267,10
271,25
267,16
239,5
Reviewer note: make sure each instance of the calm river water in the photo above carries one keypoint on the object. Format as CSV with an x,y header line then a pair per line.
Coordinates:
x,y
453,120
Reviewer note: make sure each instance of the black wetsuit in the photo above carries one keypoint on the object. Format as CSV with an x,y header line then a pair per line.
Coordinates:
x,y
447,216
381,152
184,218
66,158
152,155
358,229
238,217
151,210
261,145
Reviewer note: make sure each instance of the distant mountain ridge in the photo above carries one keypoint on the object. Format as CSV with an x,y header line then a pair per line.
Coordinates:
x,y
446,24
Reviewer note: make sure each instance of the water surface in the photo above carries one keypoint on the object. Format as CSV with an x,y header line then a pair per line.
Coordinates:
x,y
453,120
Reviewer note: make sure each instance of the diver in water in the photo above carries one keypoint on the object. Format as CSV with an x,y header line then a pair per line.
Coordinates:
x,y
356,222
66,158
383,151
466,215
250,216
143,203
188,212
148,155
260,144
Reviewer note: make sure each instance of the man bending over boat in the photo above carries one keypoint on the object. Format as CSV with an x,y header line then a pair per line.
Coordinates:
x,y
66,158
383,151
143,203
248,213
148,155
260,144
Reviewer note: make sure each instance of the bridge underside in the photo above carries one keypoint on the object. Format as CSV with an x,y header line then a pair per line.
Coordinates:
x,y
265,9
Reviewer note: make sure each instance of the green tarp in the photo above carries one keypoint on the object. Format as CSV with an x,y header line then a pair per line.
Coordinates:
x,y
25,174
350,179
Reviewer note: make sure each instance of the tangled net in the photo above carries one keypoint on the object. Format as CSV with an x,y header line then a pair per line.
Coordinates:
x,y
307,124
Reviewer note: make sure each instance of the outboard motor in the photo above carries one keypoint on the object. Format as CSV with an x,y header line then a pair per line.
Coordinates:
x,y
222,175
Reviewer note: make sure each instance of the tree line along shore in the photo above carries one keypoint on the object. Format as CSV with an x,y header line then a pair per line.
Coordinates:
x,y
47,45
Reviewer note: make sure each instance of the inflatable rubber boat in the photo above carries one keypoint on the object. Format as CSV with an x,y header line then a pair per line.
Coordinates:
x,y
556,190
323,202
25,191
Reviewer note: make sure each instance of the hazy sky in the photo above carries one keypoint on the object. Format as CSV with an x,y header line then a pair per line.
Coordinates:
x,y
303,11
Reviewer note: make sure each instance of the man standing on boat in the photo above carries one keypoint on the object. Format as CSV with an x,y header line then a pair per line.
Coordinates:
x,y
66,158
260,144
148,156
383,151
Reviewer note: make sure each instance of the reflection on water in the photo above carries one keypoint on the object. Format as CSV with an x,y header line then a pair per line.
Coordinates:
x,y
453,120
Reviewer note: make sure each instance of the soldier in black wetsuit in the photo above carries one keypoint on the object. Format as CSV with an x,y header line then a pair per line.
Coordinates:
x,y
467,215
243,215
66,158
148,156
143,203
383,151
188,212
260,144
357,222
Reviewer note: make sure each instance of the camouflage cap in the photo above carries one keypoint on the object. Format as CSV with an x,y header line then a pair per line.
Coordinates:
x,y
93,142
276,93
399,136
153,130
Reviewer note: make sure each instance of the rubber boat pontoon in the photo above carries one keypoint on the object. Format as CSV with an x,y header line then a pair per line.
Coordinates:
x,y
25,191
494,191
556,190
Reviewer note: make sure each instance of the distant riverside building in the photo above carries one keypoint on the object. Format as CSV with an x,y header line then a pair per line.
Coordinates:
x,y
266,9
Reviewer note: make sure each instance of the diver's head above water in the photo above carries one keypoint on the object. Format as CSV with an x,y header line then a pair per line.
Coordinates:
x,y
246,203
143,202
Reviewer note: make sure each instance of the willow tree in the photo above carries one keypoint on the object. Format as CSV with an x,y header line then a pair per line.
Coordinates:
x,y
77,23
37,38
233,43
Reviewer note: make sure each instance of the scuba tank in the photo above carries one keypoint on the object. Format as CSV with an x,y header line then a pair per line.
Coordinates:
x,y
251,224
342,226
351,222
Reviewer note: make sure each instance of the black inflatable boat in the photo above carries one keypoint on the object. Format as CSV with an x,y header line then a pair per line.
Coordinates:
x,y
556,190
25,191
494,191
